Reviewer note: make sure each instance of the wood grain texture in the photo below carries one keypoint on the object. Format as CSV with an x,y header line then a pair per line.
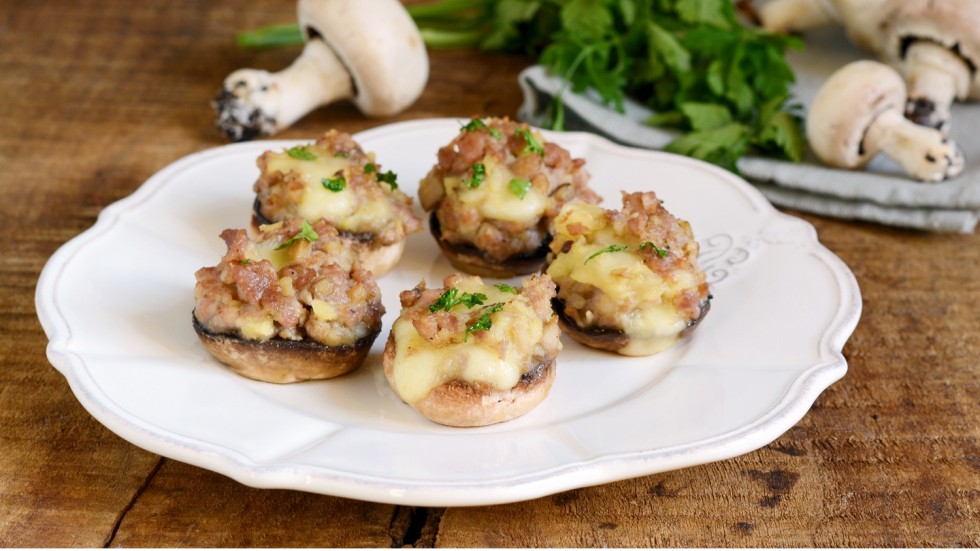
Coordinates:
x,y
95,96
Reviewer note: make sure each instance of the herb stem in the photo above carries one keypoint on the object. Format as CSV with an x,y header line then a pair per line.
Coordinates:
x,y
443,8
440,38
275,36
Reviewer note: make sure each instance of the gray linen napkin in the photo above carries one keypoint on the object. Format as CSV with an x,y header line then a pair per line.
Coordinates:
x,y
879,193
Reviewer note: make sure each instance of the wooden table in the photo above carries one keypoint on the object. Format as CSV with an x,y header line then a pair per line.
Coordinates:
x,y
96,96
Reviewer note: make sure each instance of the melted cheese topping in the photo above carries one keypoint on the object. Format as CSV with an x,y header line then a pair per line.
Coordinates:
x,y
317,201
641,299
500,361
494,200
268,250
258,329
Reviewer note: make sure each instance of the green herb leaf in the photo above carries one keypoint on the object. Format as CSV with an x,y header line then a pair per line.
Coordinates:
x,y
389,178
703,12
531,145
506,288
471,300
334,184
479,174
721,146
519,187
446,301
246,261
706,116
451,298
340,155
484,322
306,232
370,168
478,124
609,249
662,253
301,152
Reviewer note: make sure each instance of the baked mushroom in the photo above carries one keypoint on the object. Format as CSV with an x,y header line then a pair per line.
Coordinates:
x,y
293,304
935,45
858,112
628,281
333,179
370,52
472,354
494,193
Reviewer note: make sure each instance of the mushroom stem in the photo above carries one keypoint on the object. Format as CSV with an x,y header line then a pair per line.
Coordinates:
x,y
936,76
786,16
925,153
255,102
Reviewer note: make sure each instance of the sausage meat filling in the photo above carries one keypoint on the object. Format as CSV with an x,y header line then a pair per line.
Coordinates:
x,y
295,281
498,186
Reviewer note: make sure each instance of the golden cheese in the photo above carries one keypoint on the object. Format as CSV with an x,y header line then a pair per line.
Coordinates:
x,y
342,208
268,250
499,361
323,310
493,198
260,328
642,299
317,201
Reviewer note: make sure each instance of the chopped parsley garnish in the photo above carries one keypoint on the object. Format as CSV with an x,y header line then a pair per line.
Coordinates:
x,y
301,152
479,173
662,253
246,261
531,144
484,322
478,124
340,154
306,232
389,178
519,187
609,249
334,184
451,298
506,288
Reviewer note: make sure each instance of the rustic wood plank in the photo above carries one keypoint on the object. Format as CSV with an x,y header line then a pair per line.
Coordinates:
x,y
185,506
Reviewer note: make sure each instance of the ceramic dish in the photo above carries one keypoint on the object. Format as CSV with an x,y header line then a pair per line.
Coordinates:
x,y
116,305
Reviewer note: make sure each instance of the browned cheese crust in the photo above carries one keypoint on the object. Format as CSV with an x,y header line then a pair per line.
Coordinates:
x,y
461,403
283,308
494,247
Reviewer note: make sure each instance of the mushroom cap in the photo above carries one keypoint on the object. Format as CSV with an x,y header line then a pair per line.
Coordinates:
x,y
888,27
846,105
378,43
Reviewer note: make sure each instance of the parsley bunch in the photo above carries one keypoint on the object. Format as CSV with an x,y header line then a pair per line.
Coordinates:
x,y
724,86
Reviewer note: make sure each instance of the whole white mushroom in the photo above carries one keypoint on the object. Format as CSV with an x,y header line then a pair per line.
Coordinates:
x,y
368,51
857,114
935,44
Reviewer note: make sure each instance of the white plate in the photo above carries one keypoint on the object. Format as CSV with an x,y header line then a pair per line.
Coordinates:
x,y
116,305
